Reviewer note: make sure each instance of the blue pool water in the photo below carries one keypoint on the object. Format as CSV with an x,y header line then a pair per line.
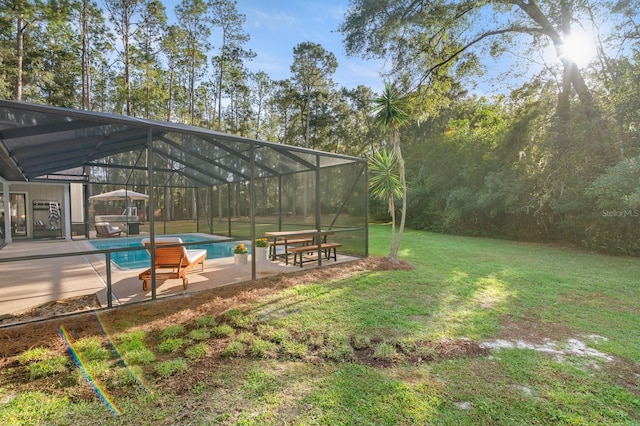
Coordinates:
x,y
140,258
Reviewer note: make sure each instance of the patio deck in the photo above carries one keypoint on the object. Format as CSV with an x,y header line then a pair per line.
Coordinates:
x,y
27,284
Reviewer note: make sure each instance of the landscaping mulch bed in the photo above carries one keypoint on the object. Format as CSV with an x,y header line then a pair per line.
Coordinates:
x,y
39,327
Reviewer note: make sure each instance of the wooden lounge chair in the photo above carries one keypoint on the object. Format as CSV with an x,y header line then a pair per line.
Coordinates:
x,y
104,229
178,259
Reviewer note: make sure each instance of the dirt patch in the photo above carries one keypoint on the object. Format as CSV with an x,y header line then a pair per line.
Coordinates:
x,y
174,310
532,330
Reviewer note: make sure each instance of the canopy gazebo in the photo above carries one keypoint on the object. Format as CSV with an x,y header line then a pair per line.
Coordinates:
x,y
216,183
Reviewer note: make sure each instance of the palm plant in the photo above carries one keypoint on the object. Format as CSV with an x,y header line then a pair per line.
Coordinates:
x,y
384,182
389,114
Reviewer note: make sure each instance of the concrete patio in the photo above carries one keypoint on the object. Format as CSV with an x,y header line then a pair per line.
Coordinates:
x,y
25,285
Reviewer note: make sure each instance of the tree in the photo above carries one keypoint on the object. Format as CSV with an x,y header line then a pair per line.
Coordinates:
x,y
191,16
311,72
390,114
122,14
384,183
226,17
425,40
145,56
96,40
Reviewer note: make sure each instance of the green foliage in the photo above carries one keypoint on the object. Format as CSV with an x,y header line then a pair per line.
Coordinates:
x,y
171,367
196,351
261,348
91,349
170,345
30,408
238,319
120,377
360,341
130,341
206,321
384,352
176,330
384,182
234,349
35,354
273,334
337,347
294,349
48,367
138,356
223,330
199,334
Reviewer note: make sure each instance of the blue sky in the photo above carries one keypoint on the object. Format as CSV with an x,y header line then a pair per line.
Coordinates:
x,y
277,27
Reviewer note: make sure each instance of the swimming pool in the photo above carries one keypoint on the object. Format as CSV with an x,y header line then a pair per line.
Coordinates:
x,y
134,259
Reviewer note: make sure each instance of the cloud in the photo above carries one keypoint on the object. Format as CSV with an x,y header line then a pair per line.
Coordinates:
x,y
273,21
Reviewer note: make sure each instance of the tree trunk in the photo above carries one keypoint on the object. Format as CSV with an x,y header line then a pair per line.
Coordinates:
x,y
19,56
395,244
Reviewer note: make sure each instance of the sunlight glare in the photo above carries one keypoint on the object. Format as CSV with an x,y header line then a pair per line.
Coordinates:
x,y
579,48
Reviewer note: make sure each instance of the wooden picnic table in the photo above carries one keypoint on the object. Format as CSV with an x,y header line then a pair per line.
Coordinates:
x,y
302,236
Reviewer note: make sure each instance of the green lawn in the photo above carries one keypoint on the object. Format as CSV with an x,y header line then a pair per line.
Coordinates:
x,y
481,332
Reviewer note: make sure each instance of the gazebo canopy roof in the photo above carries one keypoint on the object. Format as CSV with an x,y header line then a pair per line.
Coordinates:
x,y
39,142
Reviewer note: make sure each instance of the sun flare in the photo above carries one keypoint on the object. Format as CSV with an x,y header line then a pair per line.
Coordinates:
x,y
578,47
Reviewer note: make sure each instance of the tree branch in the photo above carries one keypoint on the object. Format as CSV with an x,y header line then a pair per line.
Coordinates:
x,y
526,30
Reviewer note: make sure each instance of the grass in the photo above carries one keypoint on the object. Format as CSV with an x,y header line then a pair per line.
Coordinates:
x,y
480,332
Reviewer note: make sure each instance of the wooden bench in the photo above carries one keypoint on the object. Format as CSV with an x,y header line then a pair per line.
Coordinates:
x,y
326,247
273,244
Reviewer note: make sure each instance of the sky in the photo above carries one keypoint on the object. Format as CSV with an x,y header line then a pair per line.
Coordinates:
x,y
276,27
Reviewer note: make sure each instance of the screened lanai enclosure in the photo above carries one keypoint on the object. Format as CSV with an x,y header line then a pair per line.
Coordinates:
x,y
193,182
